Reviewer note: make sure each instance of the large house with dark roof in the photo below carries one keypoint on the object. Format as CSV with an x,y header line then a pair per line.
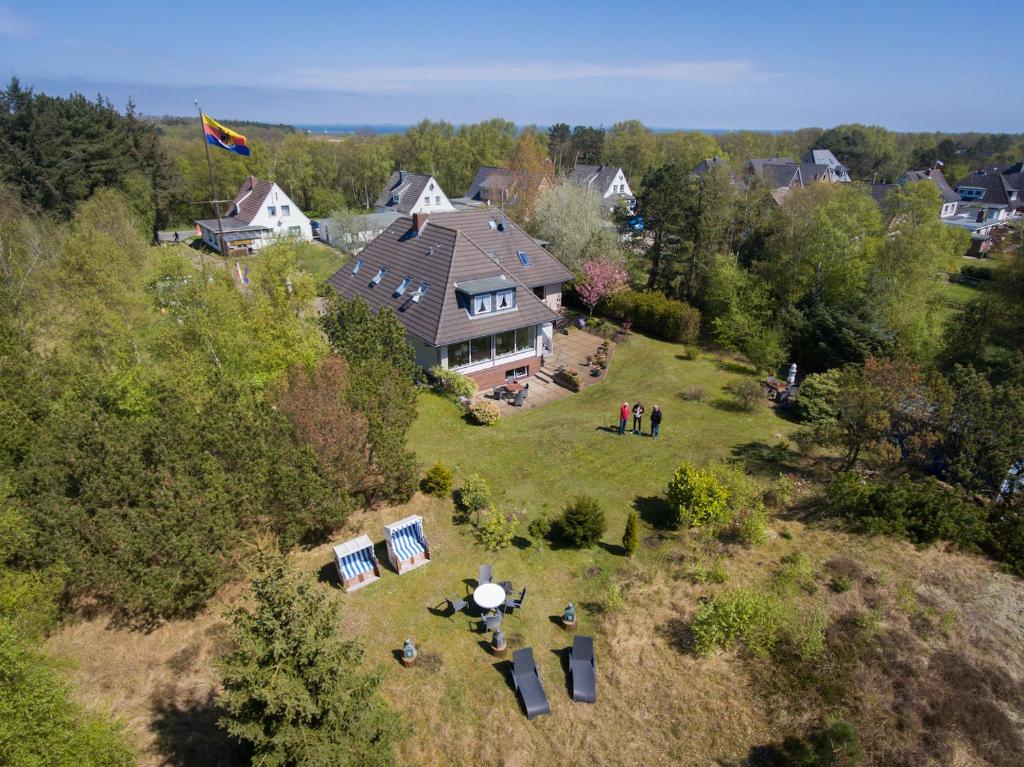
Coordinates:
x,y
475,293
998,189
608,181
825,157
260,214
407,193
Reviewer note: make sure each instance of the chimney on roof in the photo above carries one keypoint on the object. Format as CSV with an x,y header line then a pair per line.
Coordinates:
x,y
419,222
401,176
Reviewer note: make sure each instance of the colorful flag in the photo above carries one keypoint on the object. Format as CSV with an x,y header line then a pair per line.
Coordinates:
x,y
225,138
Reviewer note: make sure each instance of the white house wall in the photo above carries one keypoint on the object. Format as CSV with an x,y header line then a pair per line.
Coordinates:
x,y
438,200
619,180
279,223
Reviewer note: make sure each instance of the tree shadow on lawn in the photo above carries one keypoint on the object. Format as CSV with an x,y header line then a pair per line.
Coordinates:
x,y
677,633
612,548
187,733
736,367
652,509
329,574
727,405
758,457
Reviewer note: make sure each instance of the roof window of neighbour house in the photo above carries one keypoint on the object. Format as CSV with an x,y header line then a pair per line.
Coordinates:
x,y
379,276
420,291
357,266
524,257
395,197
402,286
493,224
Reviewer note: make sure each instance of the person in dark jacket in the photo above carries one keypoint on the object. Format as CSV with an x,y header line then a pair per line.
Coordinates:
x,y
638,418
655,421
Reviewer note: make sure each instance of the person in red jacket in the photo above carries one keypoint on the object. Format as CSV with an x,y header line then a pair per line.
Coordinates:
x,y
624,413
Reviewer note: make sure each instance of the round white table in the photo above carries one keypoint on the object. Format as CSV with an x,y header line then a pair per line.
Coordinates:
x,y
489,596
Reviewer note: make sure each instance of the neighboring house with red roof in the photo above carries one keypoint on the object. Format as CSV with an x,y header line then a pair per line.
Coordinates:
x,y
260,214
475,293
501,186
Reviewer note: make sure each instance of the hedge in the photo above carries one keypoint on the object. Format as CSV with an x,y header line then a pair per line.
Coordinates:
x,y
656,315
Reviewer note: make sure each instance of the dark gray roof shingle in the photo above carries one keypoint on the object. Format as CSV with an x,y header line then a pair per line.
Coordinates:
x,y
935,176
596,177
452,248
408,186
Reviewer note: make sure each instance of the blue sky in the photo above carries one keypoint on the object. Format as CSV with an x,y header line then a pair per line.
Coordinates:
x,y
670,64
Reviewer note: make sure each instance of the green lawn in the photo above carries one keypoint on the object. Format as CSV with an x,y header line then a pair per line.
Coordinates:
x,y
536,461
320,261
540,458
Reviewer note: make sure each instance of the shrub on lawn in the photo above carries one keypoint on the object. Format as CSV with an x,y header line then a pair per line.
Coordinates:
x,y
453,383
694,394
474,496
752,525
737,616
438,481
496,530
747,394
631,535
582,523
715,573
696,497
656,315
484,413
539,527
689,353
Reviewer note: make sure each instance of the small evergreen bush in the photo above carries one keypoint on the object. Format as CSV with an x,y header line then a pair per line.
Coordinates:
x,y
484,413
747,394
583,523
631,535
438,481
496,530
475,494
539,527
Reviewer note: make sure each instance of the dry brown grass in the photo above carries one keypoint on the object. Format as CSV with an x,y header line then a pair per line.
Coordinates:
x,y
658,702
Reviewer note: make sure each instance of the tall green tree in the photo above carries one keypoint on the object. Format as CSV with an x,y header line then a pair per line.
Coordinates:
x,y
294,688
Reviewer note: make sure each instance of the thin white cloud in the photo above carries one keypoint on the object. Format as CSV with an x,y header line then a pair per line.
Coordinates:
x,y
13,24
386,76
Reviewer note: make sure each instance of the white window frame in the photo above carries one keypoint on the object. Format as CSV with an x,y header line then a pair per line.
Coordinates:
x,y
510,294
286,210
485,298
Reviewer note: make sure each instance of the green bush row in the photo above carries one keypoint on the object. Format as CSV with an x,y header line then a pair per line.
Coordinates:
x,y
656,315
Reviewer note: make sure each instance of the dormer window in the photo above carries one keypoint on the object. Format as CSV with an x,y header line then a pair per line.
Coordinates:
x,y
504,299
395,197
482,304
402,286
379,276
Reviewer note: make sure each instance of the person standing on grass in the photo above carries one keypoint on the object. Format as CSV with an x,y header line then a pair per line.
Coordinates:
x,y
638,418
623,417
655,421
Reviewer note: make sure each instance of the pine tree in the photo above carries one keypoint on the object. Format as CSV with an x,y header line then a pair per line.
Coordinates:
x,y
293,687
631,535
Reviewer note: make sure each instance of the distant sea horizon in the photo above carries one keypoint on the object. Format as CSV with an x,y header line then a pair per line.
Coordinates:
x,y
348,129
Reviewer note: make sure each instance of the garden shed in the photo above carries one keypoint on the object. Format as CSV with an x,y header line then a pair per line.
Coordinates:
x,y
356,562
407,545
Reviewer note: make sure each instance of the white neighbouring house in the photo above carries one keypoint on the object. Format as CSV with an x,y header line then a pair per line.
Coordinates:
x,y
608,181
407,193
260,214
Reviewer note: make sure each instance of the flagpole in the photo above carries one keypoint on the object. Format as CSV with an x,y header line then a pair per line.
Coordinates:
x,y
213,184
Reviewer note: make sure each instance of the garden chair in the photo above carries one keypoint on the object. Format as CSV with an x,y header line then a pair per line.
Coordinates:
x,y
527,681
492,622
520,399
511,603
583,670
507,585
499,392
456,605
484,575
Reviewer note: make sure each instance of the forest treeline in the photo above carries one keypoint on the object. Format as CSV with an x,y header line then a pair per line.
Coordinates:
x,y
56,151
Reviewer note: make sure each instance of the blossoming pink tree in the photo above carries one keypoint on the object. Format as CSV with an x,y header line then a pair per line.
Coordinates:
x,y
601,278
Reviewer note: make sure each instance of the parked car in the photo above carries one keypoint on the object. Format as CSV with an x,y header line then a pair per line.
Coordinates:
x,y
634,224
315,226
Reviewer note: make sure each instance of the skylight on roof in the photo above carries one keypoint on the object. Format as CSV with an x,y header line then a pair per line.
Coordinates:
x,y
419,292
402,286
379,276
493,224
524,257
358,265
